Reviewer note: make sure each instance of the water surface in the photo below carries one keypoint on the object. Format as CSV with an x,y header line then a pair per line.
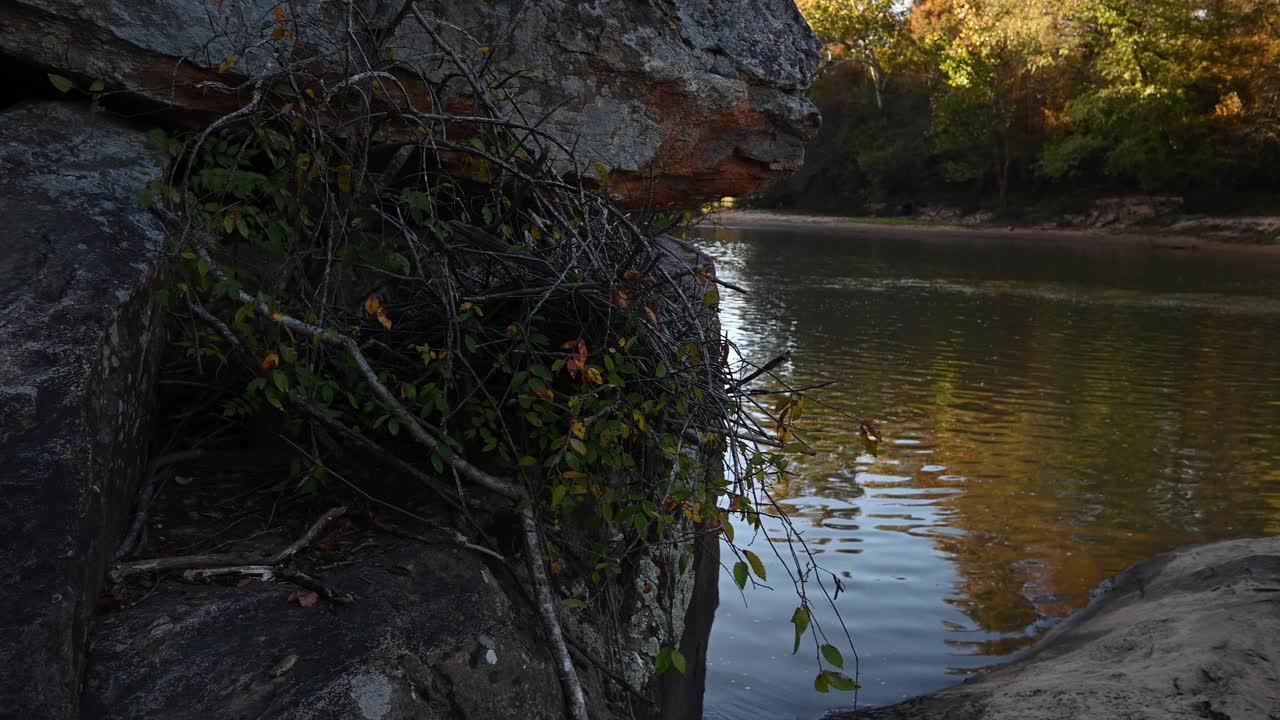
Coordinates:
x,y
1051,415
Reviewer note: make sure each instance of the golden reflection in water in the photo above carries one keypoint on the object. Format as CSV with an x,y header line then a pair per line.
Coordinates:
x,y
1040,444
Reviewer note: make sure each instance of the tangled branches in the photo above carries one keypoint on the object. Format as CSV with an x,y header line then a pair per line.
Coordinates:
x,y
455,295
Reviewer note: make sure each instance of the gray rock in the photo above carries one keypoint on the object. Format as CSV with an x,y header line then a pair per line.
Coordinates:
x,y
1189,635
682,100
441,641
78,341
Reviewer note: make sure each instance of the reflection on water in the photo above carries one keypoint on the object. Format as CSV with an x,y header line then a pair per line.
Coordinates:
x,y
1050,416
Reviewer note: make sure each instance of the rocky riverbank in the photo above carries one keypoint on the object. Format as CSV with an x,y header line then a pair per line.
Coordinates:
x,y
1193,634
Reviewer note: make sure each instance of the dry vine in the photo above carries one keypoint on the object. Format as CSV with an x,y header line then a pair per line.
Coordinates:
x,y
455,295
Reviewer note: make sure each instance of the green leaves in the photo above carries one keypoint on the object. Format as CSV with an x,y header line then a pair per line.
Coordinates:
x,y
800,618
669,657
832,655
61,83
741,570
831,680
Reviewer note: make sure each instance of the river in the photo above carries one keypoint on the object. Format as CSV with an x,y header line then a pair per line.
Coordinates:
x,y
1051,413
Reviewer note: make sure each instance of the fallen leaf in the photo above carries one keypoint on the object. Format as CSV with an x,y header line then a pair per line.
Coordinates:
x,y
304,599
382,318
245,582
284,666
372,305
270,361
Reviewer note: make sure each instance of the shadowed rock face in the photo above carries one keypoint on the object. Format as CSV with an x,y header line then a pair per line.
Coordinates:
x,y
682,100
79,333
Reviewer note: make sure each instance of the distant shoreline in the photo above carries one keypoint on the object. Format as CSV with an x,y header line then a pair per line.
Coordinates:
x,y
1152,239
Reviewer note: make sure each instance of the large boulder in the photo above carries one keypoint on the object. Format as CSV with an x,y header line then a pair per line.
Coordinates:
x,y
431,634
78,341
682,100
1193,634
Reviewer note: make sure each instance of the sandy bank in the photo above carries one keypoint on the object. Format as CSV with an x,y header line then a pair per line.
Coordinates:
x,y
1161,241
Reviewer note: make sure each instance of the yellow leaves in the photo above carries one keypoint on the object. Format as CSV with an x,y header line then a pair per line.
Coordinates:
x,y
572,474
577,362
227,63
373,306
578,429
631,276
272,360
277,34
277,317
594,376
639,418
280,14
471,307
545,393
344,178
653,317
511,331
229,220
619,298
785,413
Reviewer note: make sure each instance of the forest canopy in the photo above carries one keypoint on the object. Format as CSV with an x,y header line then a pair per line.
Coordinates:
x,y
1005,101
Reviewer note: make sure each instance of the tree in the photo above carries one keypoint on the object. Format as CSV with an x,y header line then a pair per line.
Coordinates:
x,y
864,31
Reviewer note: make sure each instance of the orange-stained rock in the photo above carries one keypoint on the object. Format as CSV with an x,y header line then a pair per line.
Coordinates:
x,y
681,100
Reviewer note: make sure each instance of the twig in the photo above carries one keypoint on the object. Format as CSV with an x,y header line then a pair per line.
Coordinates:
x,y
501,486
766,368
304,580
194,562
456,537
577,706
147,495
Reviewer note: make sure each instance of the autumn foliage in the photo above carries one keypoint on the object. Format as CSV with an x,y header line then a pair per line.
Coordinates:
x,y
988,99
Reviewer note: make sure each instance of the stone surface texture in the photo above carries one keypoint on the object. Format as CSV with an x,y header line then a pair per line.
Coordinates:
x,y
432,634
79,335
1191,635
681,100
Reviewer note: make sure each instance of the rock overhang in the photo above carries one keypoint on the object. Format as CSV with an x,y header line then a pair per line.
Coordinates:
x,y
680,101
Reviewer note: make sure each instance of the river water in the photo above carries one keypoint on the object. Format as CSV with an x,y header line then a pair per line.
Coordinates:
x,y
1050,414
